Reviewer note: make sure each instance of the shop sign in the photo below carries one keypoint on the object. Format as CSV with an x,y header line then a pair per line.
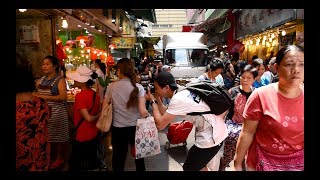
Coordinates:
x,y
29,34
122,42
251,21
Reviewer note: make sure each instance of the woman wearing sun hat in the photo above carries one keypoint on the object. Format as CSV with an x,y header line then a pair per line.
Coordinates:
x,y
86,106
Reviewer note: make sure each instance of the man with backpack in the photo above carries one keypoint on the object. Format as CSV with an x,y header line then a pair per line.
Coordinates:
x,y
210,129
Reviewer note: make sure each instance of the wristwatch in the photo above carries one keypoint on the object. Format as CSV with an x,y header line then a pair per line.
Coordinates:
x,y
153,101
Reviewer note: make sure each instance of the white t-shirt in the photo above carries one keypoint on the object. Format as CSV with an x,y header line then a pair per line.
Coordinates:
x,y
218,79
205,136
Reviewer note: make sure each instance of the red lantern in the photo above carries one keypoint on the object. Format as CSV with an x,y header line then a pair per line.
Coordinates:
x,y
93,56
60,52
103,56
112,46
110,61
81,37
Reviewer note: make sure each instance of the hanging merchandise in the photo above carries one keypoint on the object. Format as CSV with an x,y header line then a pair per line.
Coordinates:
x,y
60,52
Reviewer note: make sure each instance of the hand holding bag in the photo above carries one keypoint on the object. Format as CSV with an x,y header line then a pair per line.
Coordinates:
x,y
105,120
146,139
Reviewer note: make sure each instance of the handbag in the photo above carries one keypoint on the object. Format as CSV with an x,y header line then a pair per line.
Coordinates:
x,y
275,162
146,138
105,120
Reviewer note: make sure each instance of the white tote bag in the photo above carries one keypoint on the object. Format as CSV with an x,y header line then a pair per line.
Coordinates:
x,y
146,139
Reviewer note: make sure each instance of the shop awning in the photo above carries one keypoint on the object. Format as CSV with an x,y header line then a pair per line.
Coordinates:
x,y
145,14
150,40
212,23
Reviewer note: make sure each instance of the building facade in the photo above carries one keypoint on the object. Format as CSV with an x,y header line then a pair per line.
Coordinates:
x,y
169,20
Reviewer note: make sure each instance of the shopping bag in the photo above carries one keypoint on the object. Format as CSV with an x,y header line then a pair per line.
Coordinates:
x,y
105,119
146,139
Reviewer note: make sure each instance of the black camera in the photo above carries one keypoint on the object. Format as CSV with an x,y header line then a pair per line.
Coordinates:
x,y
151,87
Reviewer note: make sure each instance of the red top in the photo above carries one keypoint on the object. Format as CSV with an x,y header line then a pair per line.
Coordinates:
x,y
83,100
281,122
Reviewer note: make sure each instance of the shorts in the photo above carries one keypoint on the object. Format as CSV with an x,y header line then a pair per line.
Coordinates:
x,y
199,157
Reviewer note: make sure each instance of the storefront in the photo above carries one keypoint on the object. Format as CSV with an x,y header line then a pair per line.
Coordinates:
x,y
263,31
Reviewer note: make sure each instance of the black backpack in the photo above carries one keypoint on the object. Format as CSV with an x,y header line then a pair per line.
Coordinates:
x,y
214,95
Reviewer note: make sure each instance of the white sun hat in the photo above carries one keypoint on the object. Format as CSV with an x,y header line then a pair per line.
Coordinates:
x,y
82,74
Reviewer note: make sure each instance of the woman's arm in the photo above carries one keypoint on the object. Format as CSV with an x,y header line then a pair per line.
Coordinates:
x,y
245,138
142,107
85,114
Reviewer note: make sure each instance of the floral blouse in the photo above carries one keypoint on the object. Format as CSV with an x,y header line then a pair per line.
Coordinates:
x,y
32,149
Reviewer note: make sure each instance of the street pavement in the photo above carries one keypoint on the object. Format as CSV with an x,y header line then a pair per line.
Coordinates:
x,y
170,159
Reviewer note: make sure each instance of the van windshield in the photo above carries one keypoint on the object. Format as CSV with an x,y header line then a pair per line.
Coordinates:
x,y
187,57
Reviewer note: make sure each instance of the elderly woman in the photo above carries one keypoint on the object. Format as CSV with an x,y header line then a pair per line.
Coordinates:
x,y
273,129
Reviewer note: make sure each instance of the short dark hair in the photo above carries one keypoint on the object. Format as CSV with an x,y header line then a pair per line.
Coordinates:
x,y
282,52
215,64
251,69
166,78
24,80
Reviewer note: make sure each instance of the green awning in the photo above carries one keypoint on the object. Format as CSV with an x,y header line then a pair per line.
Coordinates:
x,y
150,40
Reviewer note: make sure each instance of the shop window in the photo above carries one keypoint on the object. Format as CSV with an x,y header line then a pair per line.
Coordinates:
x,y
288,39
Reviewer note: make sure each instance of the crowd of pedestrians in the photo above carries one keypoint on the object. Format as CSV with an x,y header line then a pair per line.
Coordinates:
x,y
259,132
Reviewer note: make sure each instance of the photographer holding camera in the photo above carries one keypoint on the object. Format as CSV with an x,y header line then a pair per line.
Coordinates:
x,y
202,155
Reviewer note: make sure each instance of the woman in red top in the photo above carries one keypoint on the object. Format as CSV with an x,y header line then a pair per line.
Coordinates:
x,y
273,129
86,107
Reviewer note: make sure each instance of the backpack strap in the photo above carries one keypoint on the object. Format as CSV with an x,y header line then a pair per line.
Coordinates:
x,y
199,113
82,119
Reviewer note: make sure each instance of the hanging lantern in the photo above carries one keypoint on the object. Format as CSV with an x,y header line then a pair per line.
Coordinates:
x,y
87,49
103,56
93,56
82,44
110,61
66,48
61,54
71,43
112,46
82,38
90,40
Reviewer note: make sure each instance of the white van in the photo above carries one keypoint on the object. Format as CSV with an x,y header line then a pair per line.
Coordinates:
x,y
187,53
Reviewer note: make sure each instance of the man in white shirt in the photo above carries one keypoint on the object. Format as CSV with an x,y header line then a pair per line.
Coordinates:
x,y
210,129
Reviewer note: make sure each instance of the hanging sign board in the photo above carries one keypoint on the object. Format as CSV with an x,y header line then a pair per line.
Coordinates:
x,y
251,21
122,42
29,34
